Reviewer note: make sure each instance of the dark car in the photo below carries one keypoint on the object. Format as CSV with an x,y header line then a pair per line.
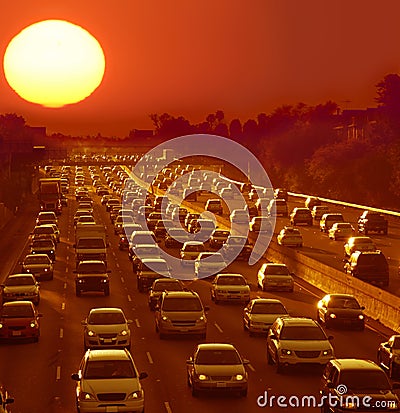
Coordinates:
x,y
389,356
341,310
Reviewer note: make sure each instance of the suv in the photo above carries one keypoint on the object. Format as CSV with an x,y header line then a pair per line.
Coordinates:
x,y
92,275
107,380
180,312
159,286
327,220
366,386
371,221
369,266
214,205
297,340
301,216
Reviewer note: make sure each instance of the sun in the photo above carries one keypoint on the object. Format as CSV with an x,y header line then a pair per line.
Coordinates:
x,y
54,63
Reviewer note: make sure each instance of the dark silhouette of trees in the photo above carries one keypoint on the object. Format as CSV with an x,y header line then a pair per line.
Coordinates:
x,y
388,99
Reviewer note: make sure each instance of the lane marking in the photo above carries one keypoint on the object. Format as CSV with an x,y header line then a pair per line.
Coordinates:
x,y
67,257
122,279
137,323
61,332
167,407
218,328
129,298
63,306
66,269
65,286
58,374
149,357
117,264
251,367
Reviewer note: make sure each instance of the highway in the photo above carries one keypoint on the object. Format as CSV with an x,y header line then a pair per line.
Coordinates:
x,y
38,374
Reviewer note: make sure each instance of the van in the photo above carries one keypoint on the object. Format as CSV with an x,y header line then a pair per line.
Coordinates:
x,y
180,312
327,220
369,266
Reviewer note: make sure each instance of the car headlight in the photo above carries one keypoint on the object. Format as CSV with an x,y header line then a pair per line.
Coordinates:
x,y
202,377
350,404
392,404
1,325
286,352
138,394
123,333
91,333
332,315
86,396
33,324
165,318
45,269
327,352
238,377
361,317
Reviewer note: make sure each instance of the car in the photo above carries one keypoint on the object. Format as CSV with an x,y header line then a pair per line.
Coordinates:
x,y
92,275
236,247
175,238
351,384
120,222
239,216
260,314
190,251
44,246
142,251
19,320
148,270
44,231
358,244
125,236
46,217
112,202
327,220
189,217
340,310
217,367
281,193
301,216
82,212
277,207
318,210
290,237
106,327
227,193
261,224
298,341
5,400
20,287
153,219
389,356
230,287
275,276
218,238
161,228
160,285
140,237
341,230
108,380
180,313
312,202
252,210
40,265
208,263
371,221
203,229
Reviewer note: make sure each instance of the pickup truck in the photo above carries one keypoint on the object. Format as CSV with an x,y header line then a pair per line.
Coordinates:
x,y
92,275
371,221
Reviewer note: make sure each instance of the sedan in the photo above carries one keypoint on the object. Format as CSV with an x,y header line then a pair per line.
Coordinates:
x,y
340,309
341,230
44,246
39,265
260,314
389,356
216,367
230,287
239,216
208,263
106,328
19,320
21,287
275,277
290,237
362,244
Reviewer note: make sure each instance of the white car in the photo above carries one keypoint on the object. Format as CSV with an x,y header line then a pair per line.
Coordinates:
x,y
108,381
208,263
191,250
230,287
290,237
273,276
240,216
106,328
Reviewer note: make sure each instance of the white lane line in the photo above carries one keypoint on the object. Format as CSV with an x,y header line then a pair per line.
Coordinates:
x,y
122,279
67,257
129,298
167,407
218,328
251,367
117,265
65,286
63,306
113,253
137,323
61,332
149,357
58,374
66,269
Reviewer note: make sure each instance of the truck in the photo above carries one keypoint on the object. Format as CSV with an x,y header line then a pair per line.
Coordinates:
x,y
90,243
371,221
49,195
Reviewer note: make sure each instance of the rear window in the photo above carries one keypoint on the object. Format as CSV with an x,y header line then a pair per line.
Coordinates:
x,y
376,260
182,304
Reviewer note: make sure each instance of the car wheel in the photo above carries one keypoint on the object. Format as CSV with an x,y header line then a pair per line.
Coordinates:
x,y
107,291
390,370
195,392
361,327
270,361
318,318
243,393
188,380
78,292
279,367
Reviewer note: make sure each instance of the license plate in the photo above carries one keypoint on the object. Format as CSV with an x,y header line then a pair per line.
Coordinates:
x,y
107,340
111,409
184,330
16,333
221,384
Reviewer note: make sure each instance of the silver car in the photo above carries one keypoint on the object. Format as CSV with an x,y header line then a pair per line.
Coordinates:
x,y
21,287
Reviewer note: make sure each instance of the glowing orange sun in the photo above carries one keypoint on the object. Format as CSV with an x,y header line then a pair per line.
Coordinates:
x,y
54,63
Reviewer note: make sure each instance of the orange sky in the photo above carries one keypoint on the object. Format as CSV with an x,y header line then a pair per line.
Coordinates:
x,y
192,58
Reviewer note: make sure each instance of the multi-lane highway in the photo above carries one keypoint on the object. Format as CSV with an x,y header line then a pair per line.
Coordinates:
x,y
38,374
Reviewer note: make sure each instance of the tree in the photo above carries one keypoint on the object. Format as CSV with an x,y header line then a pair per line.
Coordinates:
x,y
388,99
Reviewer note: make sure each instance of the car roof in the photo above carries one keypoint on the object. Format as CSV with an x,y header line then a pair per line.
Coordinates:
x,y
266,300
192,243
106,310
19,303
216,346
228,275
356,364
20,275
36,255
275,264
335,295
181,294
299,321
89,261
146,260
107,354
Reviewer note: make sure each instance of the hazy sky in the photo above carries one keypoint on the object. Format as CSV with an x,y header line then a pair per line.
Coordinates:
x,y
192,58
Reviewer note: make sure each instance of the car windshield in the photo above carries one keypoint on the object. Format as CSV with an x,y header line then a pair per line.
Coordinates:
x,y
91,243
106,318
396,343
194,248
91,268
43,230
268,308
20,280
218,357
277,270
109,369
182,304
343,226
302,332
17,311
231,281
45,243
35,259
168,286
365,380
155,266
221,234
350,303
233,241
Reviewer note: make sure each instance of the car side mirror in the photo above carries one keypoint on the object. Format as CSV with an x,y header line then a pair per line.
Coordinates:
x,y
189,361
330,385
129,321
206,308
9,400
246,362
143,375
330,338
84,323
108,271
75,376
272,337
